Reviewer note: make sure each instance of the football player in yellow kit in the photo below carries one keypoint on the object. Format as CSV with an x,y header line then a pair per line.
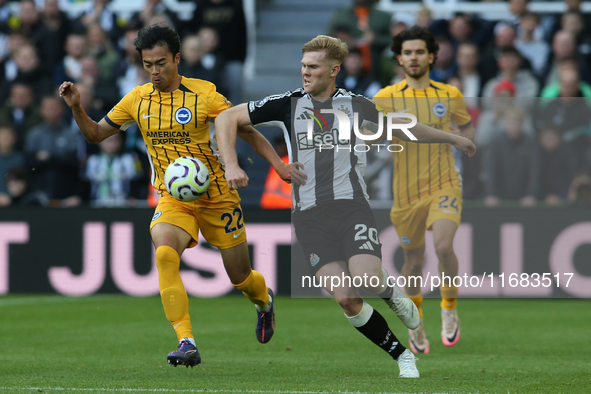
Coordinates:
x,y
427,185
173,114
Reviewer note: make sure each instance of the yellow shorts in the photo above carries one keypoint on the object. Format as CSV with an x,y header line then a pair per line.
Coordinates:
x,y
219,218
412,222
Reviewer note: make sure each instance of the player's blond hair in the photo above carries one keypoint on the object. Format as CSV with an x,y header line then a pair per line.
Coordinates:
x,y
334,48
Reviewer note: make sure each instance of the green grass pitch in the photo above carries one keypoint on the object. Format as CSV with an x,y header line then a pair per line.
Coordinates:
x,y
118,344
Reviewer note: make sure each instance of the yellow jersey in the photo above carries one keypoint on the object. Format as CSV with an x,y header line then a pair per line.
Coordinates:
x,y
422,169
175,124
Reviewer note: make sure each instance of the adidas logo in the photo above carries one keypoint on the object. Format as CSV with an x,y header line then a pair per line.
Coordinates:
x,y
366,246
304,116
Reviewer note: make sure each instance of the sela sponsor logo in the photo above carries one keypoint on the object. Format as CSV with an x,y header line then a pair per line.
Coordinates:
x,y
329,138
183,115
157,215
405,240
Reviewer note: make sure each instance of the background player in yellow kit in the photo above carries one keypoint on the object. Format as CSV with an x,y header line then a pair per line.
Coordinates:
x,y
427,185
173,115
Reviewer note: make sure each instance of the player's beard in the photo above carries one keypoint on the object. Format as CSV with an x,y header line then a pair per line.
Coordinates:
x,y
416,73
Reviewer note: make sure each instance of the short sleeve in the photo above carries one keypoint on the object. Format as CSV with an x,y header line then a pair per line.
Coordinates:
x,y
122,112
217,103
460,113
270,108
371,114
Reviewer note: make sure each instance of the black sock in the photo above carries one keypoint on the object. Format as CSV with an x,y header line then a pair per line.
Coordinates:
x,y
376,330
388,293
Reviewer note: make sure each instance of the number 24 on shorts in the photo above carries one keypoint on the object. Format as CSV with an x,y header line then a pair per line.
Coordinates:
x,y
230,217
444,205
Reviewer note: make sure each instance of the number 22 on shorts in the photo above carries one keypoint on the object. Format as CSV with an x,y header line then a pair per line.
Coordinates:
x,y
231,218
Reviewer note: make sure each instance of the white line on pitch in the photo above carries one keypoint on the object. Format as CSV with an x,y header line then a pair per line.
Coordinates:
x,y
185,391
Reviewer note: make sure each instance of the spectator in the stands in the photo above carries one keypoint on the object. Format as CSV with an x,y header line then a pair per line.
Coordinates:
x,y
51,149
111,172
526,85
28,21
70,68
491,123
570,113
195,62
563,47
353,78
533,49
575,23
510,166
424,17
369,26
100,47
467,59
557,165
130,70
51,35
154,7
8,67
103,14
503,37
9,157
445,65
30,70
228,20
19,193
20,111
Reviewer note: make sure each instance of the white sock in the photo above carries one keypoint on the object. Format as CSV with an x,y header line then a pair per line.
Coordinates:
x,y
192,340
266,307
362,317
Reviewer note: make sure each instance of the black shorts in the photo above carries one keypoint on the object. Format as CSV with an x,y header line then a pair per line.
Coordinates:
x,y
336,232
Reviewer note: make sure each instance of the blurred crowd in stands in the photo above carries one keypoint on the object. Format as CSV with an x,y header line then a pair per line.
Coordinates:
x,y
526,79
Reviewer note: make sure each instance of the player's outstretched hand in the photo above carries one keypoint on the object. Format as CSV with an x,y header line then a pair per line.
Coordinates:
x,y
290,173
463,144
236,177
70,93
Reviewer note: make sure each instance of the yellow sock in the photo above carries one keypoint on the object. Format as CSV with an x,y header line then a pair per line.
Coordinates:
x,y
255,289
172,291
418,300
449,297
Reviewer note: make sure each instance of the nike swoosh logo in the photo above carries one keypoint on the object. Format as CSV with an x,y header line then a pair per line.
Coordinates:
x,y
237,235
420,350
453,337
146,117
175,327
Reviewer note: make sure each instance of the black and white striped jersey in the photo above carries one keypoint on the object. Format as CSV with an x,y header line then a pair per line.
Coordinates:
x,y
335,167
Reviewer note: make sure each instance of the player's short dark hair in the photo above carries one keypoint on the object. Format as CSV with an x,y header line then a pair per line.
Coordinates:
x,y
415,33
159,34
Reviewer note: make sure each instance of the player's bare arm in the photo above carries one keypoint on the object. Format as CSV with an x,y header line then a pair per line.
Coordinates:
x,y
236,121
467,131
93,132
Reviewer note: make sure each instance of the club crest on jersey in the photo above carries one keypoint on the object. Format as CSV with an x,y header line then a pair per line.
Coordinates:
x,y
314,259
183,115
439,109
346,110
